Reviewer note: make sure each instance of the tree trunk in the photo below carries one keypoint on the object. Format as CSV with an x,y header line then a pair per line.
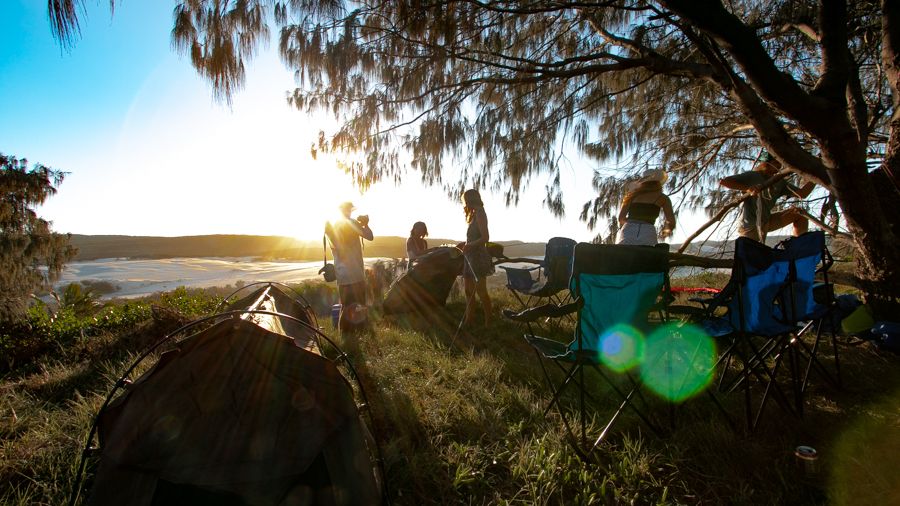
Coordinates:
x,y
872,222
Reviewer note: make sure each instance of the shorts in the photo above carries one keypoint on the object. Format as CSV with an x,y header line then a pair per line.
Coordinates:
x,y
637,233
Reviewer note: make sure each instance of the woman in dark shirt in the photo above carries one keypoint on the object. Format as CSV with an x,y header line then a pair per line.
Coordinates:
x,y
641,207
416,244
478,265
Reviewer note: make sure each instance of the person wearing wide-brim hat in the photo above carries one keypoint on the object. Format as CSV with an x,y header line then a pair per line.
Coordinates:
x,y
345,235
643,202
757,216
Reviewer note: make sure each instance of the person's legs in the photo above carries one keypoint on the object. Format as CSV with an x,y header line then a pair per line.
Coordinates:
x,y
787,217
469,284
344,296
486,305
350,295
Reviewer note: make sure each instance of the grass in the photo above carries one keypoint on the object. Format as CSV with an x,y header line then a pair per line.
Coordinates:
x,y
461,421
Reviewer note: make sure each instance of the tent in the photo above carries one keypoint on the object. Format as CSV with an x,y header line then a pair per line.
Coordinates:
x,y
247,411
427,283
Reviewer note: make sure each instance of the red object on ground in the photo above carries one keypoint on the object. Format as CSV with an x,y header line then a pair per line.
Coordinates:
x,y
694,289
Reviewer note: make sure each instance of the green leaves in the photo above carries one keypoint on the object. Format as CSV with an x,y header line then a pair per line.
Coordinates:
x,y
31,254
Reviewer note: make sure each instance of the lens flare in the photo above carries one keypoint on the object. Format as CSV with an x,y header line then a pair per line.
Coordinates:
x,y
621,347
678,361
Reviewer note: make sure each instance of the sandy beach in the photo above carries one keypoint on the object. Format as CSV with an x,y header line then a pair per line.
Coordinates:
x,y
136,278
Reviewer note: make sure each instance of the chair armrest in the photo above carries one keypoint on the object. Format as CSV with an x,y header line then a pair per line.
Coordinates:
x,y
522,269
544,311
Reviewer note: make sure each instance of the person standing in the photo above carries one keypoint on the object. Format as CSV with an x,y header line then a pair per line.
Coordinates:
x,y
644,199
416,243
757,218
478,265
345,235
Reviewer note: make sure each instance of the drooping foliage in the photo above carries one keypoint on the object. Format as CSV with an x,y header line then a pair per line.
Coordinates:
x,y
31,254
502,94
65,19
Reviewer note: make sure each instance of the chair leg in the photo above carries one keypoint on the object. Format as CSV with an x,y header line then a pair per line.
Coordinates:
x,y
753,366
558,392
813,360
770,386
635,390
612,420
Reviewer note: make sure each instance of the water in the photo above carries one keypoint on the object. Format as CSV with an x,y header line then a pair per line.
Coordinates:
x,y
136,278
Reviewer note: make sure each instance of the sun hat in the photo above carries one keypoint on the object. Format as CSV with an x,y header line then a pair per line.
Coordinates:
x,y
345,205
658,175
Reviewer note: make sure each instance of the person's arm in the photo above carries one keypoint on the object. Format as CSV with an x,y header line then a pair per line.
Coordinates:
x,y
367,233
623,210
668,216
735,183
363,230
329,232
750,182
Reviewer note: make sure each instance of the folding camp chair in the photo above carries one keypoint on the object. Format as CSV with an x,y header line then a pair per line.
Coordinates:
x,y
811,303
615,288
553,275
769,294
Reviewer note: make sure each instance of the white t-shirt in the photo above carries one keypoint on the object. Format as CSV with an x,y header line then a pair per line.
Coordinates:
x,y
347,251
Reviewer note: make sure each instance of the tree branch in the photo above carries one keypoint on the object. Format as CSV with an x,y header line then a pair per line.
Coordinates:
x,y
742,43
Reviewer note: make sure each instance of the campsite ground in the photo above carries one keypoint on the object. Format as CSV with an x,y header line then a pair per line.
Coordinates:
x,y
462,421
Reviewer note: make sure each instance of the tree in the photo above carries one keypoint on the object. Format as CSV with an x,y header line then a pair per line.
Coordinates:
x,y
503,90
31,254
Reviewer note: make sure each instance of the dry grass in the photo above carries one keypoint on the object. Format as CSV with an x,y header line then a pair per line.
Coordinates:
x,y
461,422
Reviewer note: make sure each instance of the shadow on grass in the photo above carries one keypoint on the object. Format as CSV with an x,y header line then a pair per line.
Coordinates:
x,y
715,463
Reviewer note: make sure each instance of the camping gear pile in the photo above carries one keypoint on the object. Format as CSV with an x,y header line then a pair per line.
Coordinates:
x,y
427,284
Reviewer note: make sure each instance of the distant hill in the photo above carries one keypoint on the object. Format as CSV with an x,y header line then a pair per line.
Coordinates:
x,y
92,247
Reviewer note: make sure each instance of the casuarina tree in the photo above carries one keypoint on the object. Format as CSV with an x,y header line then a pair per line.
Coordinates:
x,y
503,91
31,254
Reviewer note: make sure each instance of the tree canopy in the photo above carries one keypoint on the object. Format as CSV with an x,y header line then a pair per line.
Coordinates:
x,y
31,254
505,91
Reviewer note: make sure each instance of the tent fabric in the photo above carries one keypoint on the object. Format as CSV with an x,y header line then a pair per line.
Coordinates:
x,y
427,284
236,414
271,299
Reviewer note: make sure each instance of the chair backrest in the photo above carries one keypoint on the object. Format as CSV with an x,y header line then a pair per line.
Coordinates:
x,y
774,284
559,256
806,252
617,285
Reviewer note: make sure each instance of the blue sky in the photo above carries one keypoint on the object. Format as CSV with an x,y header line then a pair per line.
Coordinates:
x,y
150,153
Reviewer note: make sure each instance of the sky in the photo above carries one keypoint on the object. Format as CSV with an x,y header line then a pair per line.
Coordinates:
x,y
149,152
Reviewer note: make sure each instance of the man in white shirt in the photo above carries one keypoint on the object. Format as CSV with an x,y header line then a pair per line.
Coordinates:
x,y
345,235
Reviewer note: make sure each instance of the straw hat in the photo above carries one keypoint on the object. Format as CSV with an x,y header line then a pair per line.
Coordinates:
x,y
654,175
647,176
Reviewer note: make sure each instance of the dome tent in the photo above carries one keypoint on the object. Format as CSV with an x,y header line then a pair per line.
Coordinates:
x,y
247,411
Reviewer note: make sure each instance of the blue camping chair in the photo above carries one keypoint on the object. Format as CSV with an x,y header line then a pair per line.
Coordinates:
x,y
770,293
614,287
553,275
811,303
